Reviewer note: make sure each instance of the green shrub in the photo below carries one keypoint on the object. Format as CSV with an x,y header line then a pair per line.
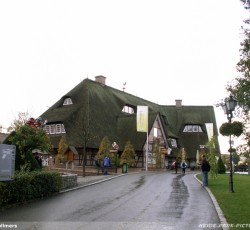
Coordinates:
x,y
28,186
220,166
27,138
22,188
3,194
45,183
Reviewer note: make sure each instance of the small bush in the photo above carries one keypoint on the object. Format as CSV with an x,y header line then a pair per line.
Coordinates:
x,y
220,166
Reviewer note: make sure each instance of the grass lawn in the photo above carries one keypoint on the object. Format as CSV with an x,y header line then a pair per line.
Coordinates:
x,y
235,206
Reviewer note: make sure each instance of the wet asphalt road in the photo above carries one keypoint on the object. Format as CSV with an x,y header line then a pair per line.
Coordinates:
x,y
134,201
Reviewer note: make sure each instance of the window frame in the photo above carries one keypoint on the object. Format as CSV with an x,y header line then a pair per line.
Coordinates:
x,y
128,109
67,101
192,129
54,128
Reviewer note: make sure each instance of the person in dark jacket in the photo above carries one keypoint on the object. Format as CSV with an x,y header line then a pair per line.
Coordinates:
x,y
183,166
205,168
98,165
175,165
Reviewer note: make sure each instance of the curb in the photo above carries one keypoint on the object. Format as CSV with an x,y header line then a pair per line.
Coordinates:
x,y
91,183
223,221
96,182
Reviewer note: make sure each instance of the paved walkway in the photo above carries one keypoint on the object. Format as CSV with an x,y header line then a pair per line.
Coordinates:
x,y
217,207
90,180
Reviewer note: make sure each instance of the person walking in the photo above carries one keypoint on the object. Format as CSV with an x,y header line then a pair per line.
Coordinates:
x,y
98,165
106,164
175,165
183,166
205,167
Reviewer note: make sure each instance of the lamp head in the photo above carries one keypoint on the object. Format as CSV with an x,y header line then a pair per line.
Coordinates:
x,y
230,103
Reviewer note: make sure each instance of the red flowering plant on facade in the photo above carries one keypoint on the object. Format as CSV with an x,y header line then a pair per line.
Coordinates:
x,y
35,122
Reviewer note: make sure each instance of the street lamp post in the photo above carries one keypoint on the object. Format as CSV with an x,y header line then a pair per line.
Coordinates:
x,y
229,107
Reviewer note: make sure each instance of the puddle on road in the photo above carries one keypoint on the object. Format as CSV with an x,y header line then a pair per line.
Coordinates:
x,y
178,198
139,183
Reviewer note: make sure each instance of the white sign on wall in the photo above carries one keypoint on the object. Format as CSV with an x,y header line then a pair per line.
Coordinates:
x,y
7,162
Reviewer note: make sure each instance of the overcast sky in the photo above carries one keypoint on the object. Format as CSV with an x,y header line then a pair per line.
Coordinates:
x,y
163,49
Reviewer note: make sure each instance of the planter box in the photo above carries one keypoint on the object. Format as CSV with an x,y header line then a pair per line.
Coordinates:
x,y
69,180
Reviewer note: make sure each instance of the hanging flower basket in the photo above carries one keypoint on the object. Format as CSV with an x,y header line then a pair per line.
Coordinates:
x,y
235,128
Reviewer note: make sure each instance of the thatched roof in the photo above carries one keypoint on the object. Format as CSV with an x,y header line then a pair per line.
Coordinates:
x,y
97,112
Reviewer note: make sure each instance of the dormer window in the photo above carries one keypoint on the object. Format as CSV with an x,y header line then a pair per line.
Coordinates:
x,y
54,129
128,109
67,101
192,129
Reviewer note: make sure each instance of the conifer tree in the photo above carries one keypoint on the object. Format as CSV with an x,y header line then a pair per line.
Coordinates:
x,y
220,166
62,148
212,157
104,149
128,154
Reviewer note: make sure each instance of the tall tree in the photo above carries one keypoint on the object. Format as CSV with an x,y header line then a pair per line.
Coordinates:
x,y
82,123
240,87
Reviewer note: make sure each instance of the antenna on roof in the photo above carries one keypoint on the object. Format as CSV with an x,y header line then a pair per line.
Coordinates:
x,y
124,83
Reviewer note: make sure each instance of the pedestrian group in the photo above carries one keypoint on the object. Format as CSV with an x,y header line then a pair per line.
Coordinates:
x,y
175,164
205,168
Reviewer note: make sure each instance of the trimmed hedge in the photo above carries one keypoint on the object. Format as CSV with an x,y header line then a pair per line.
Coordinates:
x,y
29,186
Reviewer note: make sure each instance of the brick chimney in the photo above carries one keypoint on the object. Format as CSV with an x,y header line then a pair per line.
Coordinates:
x,y
178,103
101,79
